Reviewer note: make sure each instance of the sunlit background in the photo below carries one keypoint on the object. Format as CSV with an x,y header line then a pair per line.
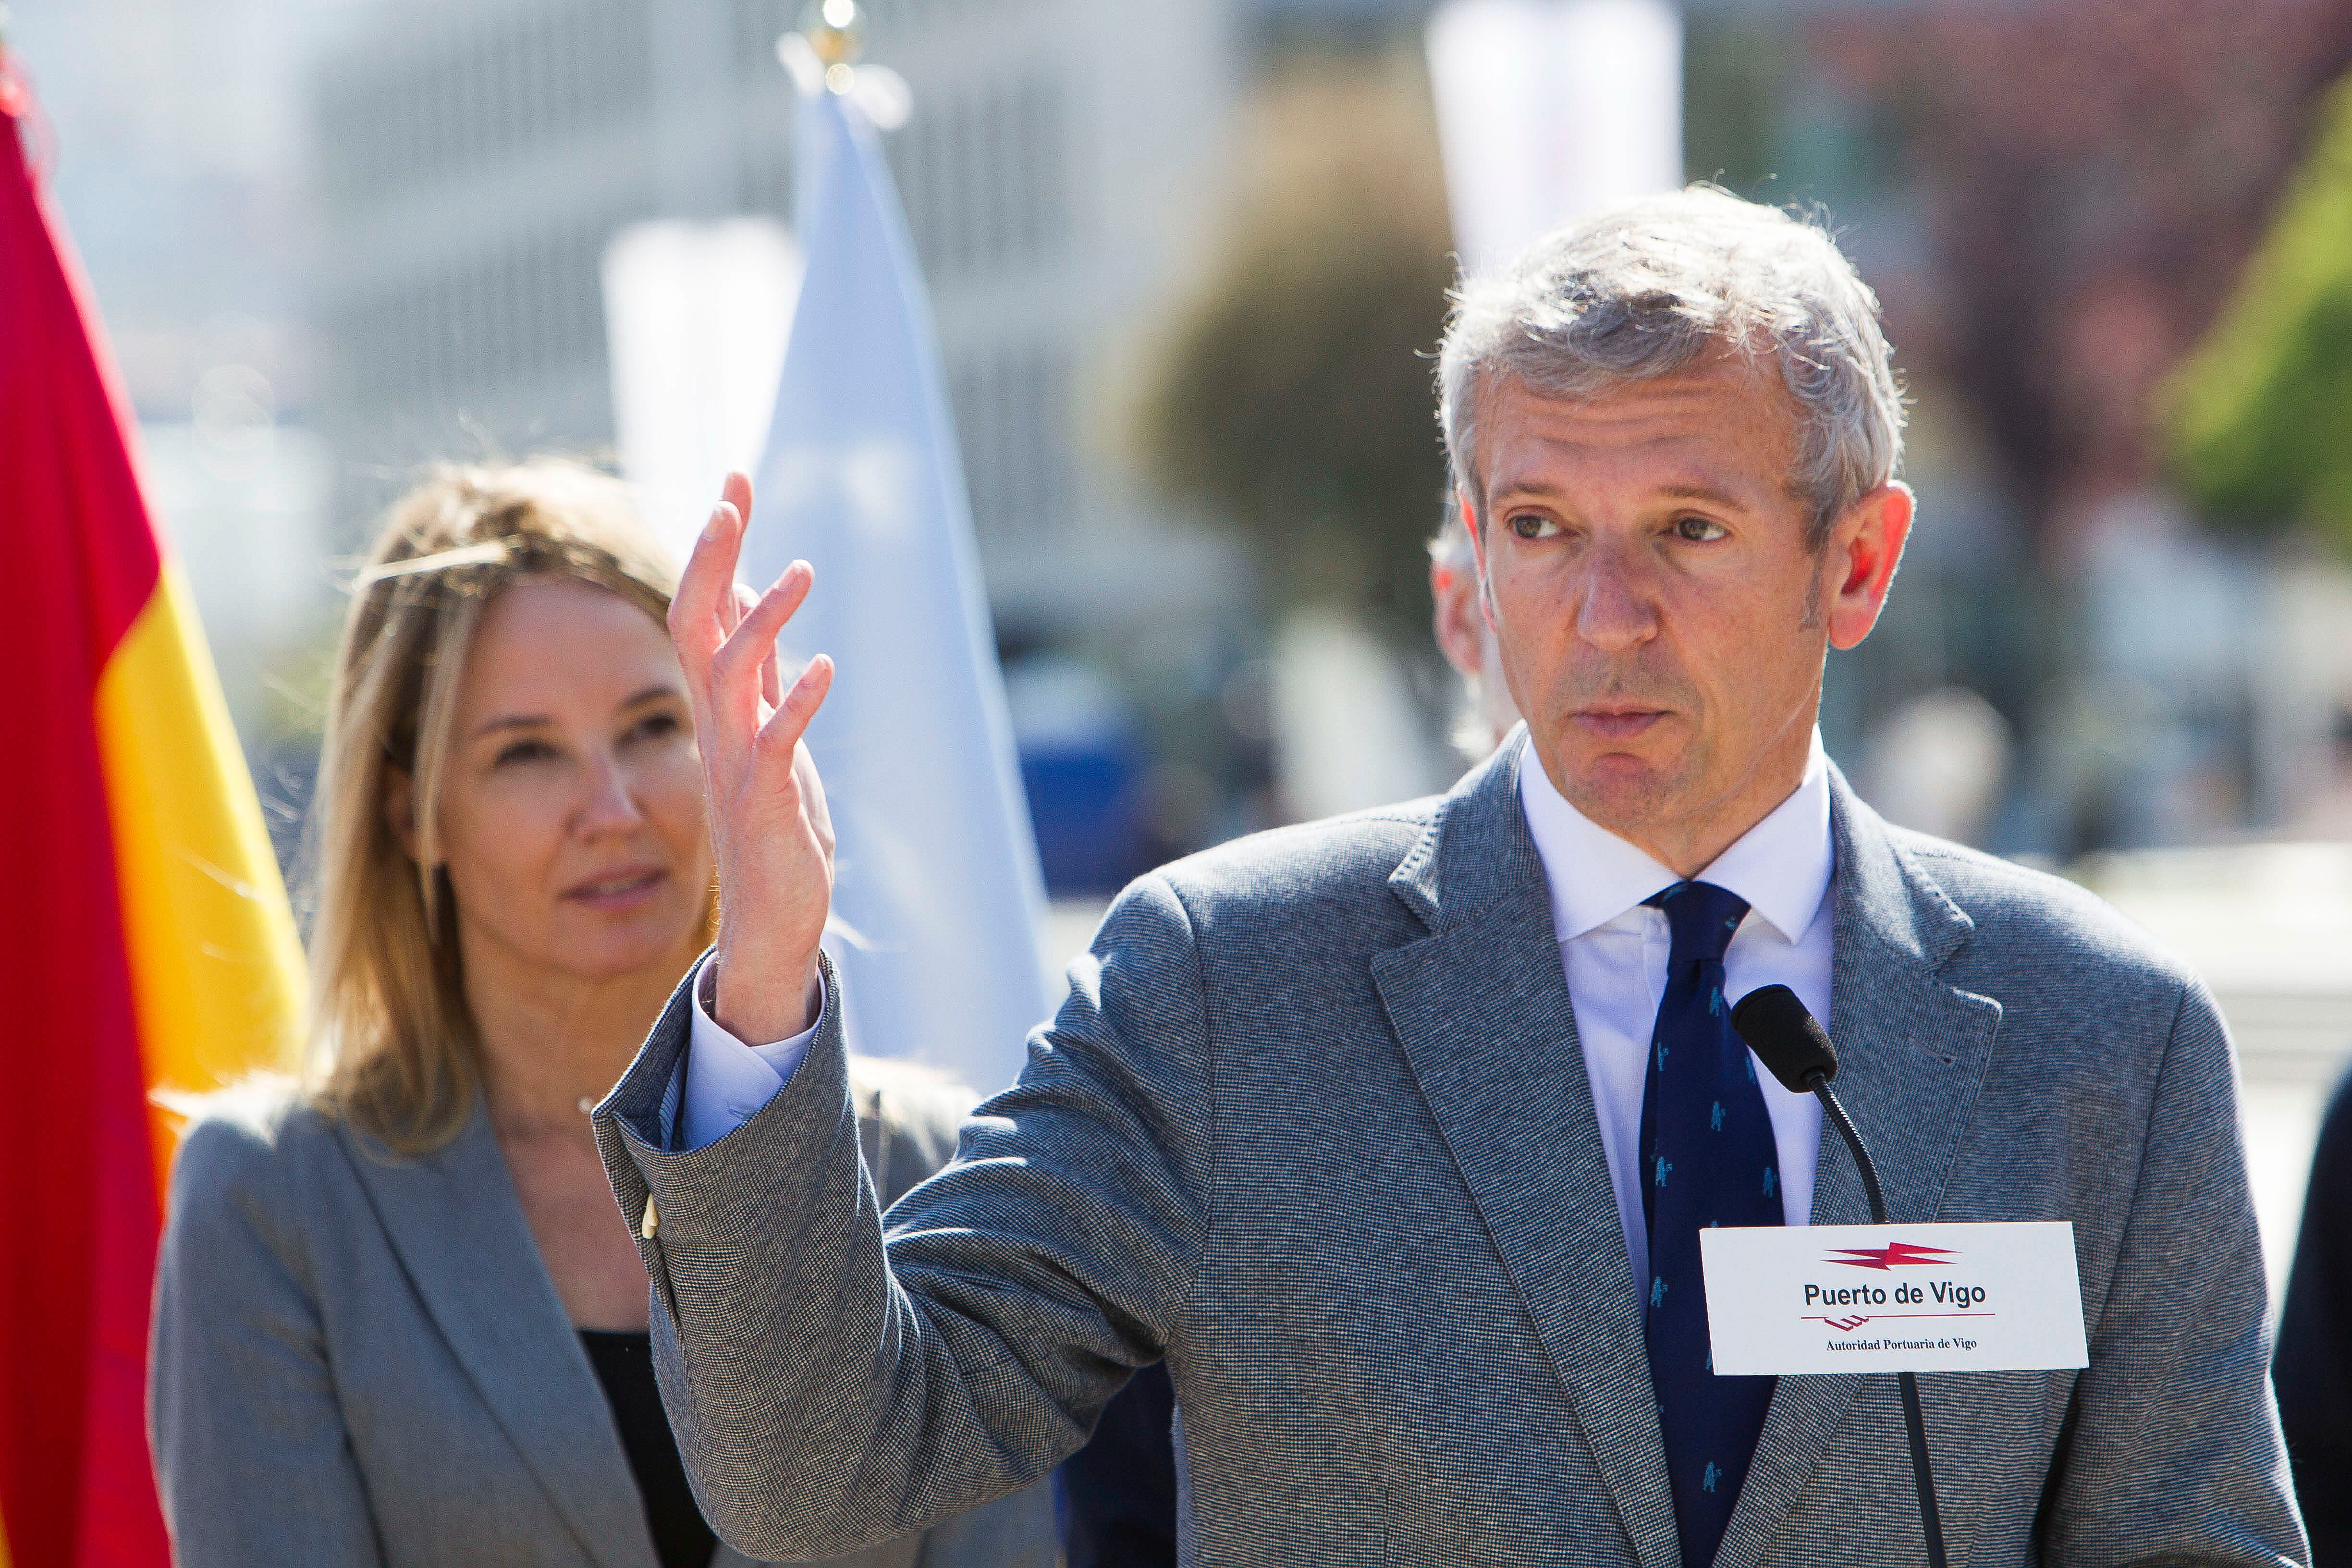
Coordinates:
x,y
1188,257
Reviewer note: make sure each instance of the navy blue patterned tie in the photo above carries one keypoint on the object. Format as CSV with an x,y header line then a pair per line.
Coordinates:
x,y
1707,1158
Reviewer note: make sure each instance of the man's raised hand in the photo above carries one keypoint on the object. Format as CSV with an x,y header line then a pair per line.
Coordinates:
x,y
768,826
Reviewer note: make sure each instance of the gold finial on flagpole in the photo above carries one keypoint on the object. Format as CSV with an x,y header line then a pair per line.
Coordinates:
x,y
836,31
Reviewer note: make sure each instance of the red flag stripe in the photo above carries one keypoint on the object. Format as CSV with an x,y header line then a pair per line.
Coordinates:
x,y
75,1487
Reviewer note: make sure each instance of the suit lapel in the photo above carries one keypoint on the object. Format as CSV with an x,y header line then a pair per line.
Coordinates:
x,y
1912,1053
459,1228
1482,1010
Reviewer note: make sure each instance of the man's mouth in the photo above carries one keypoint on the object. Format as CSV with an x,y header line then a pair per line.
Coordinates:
x,y
1617,724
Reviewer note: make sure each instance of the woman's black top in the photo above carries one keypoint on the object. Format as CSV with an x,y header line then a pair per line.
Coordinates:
x,y
624,1366
1117,1494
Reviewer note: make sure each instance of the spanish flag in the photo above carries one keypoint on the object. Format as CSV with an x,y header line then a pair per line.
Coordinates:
x,y
145,941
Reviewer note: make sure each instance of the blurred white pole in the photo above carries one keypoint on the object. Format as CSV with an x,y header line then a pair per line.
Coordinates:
x,y
696,315
1548,110
1345,733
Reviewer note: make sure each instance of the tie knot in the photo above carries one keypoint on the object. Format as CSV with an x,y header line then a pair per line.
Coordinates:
x,y
1702,916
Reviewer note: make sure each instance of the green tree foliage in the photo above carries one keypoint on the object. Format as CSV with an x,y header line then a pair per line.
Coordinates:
x,y
1292,397
2261,416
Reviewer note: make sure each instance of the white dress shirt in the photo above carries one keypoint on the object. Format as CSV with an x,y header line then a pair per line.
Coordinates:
x,y
726,1080
1613,949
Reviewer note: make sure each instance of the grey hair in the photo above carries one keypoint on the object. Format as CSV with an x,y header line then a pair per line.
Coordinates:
x,y
1641,291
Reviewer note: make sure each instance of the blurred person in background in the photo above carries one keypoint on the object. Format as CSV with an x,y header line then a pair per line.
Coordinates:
x,y
2313,1368
1459,620
398,1318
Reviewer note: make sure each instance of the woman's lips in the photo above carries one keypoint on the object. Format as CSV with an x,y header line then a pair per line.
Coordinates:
x,y
622,890
1618,726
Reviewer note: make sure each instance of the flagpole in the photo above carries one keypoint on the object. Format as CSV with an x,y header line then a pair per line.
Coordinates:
x,y
836,31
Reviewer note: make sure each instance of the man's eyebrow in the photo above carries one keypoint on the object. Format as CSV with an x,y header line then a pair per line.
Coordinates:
x,y
651,693
1533,486
1704,493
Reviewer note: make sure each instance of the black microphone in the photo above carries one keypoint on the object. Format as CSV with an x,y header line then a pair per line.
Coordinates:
x,y
1794,1047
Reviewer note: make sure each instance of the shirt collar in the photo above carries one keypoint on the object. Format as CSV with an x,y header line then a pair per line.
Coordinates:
x,y
1781,866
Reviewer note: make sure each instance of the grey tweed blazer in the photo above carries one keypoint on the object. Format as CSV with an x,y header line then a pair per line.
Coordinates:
x,y
1314,1122
358,1358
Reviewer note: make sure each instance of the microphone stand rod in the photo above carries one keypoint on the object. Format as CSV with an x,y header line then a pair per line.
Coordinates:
x,y
1931,1521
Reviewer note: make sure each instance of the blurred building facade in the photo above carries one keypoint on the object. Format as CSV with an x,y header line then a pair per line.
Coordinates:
x,y
172,143
474,160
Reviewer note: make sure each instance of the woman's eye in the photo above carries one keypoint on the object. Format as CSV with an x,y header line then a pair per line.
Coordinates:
x,y
1533,525
653,726
1700,530
525,751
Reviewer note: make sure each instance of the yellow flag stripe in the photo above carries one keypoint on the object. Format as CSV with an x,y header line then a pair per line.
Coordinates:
x,y
215,963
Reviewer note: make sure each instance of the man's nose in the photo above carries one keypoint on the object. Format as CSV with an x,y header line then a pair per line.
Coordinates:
x,y
1613,610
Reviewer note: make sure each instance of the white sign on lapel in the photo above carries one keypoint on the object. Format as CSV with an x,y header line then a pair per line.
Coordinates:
x,y
1893,1297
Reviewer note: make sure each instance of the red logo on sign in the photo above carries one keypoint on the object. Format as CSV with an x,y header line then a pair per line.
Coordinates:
x,y
1894,1255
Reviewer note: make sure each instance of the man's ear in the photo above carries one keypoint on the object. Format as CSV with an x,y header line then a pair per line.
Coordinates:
x,y
399,806
1478,554
1866,546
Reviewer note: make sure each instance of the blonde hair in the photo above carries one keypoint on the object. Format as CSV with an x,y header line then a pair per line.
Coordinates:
x,y
391,1043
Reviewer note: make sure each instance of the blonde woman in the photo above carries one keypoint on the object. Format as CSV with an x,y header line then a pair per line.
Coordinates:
x,y
398,1318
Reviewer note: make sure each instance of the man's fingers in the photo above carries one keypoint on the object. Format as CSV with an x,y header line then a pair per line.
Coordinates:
x,y
707,587
772,677
735,673
736,491
736,606
780,735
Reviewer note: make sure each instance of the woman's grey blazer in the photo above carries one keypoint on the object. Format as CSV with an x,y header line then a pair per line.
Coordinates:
x,y
360,1359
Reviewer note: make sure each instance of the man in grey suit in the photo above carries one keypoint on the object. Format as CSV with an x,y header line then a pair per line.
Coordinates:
x,y
1364,1125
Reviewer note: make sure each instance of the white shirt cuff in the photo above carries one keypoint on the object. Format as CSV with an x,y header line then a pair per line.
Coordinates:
x,y
727,1081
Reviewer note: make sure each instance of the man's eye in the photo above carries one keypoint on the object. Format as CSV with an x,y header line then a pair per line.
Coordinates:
x,y
1700,530
526,751
1531,525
